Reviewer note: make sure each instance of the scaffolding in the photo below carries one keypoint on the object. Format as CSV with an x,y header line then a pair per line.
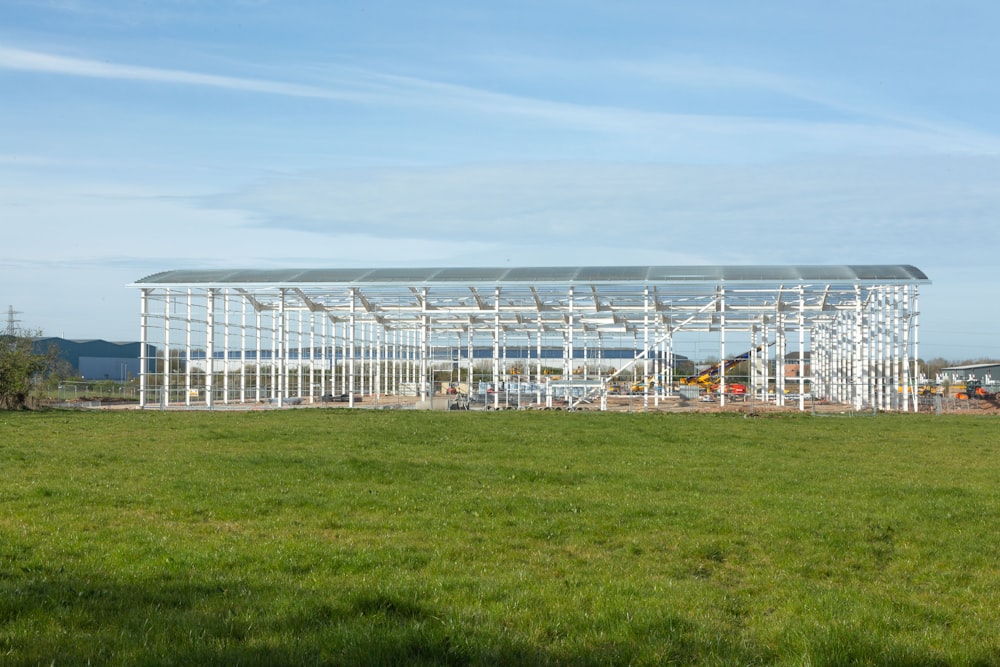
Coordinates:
x,y
842,334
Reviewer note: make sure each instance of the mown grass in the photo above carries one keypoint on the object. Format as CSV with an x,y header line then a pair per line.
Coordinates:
x,y
360,537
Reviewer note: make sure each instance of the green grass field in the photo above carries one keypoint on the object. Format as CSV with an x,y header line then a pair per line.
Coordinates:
x,y
359,537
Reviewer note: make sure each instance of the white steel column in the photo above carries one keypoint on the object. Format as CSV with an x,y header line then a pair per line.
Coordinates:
x,y
298,354
282,350
243,349
400,358
496,348
378,364
312,356
816,360
411,360
165,387
821,343
372,354
225,346
916,343
871,347
765,366
909,388
258,328
395,368
846,345
538,358
273,316
470,363
819,361
324,358
839,353
363,350
885,370
570,347
802,349
187,354
668,373
350,343
329,356
859,353
895,371
880,346
504,367
209,346
346,353
426,381
143,337
645,348
876,351
722,346
781,341
888,350
658,365
879,352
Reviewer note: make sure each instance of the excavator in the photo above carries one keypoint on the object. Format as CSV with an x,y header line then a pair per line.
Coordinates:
x,y
708,379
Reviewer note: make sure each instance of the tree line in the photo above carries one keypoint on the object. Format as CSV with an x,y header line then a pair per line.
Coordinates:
x,y
22,368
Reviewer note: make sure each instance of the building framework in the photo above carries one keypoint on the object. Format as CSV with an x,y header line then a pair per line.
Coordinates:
x,y
246,336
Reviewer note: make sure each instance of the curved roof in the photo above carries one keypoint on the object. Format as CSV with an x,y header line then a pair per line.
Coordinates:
x,y
847,273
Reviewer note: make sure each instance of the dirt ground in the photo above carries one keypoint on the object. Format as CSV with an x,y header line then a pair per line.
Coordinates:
x,y
615,404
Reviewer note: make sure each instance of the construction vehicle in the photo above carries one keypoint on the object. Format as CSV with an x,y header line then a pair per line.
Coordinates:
x,y
708,379
737,389
639,386
732,388
973,389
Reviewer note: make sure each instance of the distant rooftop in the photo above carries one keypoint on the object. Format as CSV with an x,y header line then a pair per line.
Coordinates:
x,y
972,367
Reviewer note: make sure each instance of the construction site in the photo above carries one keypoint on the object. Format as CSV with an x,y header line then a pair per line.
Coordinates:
x,y
573,338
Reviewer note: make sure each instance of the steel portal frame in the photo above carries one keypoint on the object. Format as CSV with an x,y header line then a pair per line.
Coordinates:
x,y
246,336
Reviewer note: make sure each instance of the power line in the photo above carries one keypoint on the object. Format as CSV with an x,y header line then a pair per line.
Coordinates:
x,y
11,321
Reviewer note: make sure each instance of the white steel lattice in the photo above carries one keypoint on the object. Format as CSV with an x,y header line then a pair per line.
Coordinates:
x,y
242,336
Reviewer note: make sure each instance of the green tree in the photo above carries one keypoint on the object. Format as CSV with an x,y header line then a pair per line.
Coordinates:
x,y
932,367
19,366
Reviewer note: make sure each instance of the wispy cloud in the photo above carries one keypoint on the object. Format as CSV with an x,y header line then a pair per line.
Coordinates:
x,y
35,61
878,132
835,96
829,109
871,128
25,160
850,209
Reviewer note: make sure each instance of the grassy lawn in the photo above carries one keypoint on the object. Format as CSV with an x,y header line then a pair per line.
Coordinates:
x,y
358,537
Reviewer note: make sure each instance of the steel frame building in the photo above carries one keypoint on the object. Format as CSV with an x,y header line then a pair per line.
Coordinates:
x,y
246,336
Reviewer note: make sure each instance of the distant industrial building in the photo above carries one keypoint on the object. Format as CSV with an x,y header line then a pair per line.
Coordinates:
x,y
985,375
98,359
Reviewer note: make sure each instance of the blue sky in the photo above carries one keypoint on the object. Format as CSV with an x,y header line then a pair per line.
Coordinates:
x,y
143,135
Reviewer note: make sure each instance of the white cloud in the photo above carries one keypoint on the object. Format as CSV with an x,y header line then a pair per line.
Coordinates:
x,y
729,136
35,61
819,212
99,225
27,160
934,213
